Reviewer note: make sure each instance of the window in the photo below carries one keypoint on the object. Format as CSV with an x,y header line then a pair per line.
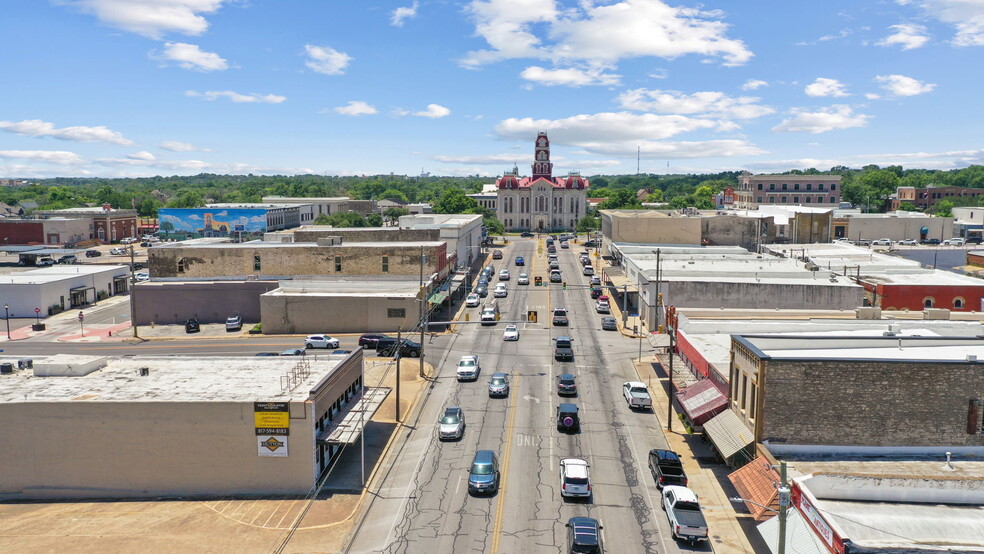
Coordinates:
x,y
785,186
928,302
758,199
809,199
833,186
338,263
772,200
796,199
772,186
181,265
784,199
386,264
820,186
958,303
760,186
256,262
809,186
796,186
396,312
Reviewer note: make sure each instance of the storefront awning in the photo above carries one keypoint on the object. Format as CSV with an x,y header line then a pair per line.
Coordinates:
x,y
757,482
728,433
702,401
438,297
349,429
617,278
799,537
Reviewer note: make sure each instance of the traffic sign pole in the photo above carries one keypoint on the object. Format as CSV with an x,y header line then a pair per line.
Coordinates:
x,y
37,314
81,319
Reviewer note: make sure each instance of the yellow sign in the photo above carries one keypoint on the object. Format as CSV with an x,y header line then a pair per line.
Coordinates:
x,y
272,419
531,316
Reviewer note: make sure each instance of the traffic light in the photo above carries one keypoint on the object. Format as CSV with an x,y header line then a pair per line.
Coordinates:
x,y
565,285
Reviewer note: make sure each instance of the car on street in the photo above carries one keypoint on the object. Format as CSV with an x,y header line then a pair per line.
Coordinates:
x,y
146,244
637,395
564,349
566,384
93,253
930,241
371,341
117,251
588,270
551,249
234,323
473,300
293,352
489,315
881,242
497,254
523,279
511,332
68,259
595,281
908,242
500,291
520,261
526,234
574,479
483,476
129,240
266,354
666,468
141,276
584,536
560,317
504,275
608,323
320,341
564,244
683,512
596,293
554,264
955,241
592,243
387,348
482,291
602,307
192,326
468,368
499,384
452,424
555,276
567,418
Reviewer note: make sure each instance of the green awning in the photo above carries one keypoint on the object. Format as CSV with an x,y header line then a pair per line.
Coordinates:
x,y
438,297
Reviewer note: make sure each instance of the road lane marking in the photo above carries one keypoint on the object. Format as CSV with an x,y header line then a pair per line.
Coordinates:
x,y
497,526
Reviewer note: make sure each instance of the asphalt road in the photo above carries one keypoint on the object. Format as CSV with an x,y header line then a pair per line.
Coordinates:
x,y
942,257
422,503
182,347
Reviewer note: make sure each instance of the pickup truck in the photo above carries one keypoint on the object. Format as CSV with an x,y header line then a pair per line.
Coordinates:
x,y
468,368
636,395
666,467
683,512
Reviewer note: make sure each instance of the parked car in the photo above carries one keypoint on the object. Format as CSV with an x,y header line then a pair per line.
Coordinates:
x,y
523,279
511,332
500,291
117,251
566,384
93,253
567,418
955,241
320,341
68,259
370,342
520,261
974,240
526,234
473,300
574,479
608,323
563,349
266,354
592,243
482,291
504,275
683,512
140,276
497,254
483,477
930,241
146,244
560,317
234,323
602,307
469,368
293,352
128,240
882,242
452,424
666,467
388,348
43,262
192,326
908,242
584,536
499,384
637,395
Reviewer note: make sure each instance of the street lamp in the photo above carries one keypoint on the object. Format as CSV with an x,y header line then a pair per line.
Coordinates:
x,y
6,311
784,501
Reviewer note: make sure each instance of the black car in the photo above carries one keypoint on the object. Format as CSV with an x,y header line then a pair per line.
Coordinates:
x,y
595,293
564,349
526,234
666,467
482,290
567,419
387,347
929,241
146,244
608,324
369,342
566,384
974,240
93,253
293,352
192,326
264,354
584,536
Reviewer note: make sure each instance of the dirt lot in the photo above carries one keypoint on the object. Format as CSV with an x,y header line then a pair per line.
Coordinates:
x,y
219,524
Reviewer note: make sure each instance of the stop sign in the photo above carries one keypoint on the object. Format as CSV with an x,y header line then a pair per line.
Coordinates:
x,y
81,316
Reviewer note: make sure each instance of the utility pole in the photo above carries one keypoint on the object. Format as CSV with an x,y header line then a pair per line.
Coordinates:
x,y
625,304
784,502
669,388
399,347
133,295
362,423
421,315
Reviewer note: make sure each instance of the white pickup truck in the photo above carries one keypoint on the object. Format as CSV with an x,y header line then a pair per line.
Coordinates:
x,y
468,368
637,395
683,512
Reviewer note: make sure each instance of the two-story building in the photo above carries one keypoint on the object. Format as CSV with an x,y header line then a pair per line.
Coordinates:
x,y
813,190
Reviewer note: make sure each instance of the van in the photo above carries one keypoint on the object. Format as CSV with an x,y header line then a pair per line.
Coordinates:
x,y
483,476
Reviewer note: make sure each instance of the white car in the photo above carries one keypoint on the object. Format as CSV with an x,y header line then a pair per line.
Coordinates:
x,y
117,251
955,241
602,307
882,242
524,279
141,276
908,242
574,478
504,275
473,300
500,291
511,333
588,270
320,341
468,368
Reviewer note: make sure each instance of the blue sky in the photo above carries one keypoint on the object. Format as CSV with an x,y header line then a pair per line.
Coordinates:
x,y
165,87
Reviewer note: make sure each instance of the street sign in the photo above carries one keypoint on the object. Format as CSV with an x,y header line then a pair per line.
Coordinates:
x,y
240,228
81,317
531,316
37,310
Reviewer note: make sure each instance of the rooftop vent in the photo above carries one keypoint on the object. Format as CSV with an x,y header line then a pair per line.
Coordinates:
x,y
144,371
971,357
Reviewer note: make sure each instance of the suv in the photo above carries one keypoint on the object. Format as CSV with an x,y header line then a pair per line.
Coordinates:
x,y
602,307
955,241
555,276
452,424
45,262
566,384
320,341
489,316
574,480
484,473
499,384
560,316
192,326
234,323
468,368
666,467
588,270
504,275
567,419
370,342
387,347
584,536
564,349
93,253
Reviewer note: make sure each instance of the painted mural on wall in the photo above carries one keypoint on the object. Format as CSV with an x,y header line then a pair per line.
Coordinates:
x,y
211,222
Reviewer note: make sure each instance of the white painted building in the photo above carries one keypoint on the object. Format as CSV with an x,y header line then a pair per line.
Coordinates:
x,y
461,232
63,287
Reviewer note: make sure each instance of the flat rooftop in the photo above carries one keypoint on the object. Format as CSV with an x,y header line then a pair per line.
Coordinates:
x,y
171,379
408,288
56,273
251,245
854,347
258,206
307,199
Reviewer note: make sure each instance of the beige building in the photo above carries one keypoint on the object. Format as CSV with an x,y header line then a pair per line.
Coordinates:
x,y
649,227
806,190
326,205
94,427
897,226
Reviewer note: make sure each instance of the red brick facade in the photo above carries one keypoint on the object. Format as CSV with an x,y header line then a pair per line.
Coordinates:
x,y
958,298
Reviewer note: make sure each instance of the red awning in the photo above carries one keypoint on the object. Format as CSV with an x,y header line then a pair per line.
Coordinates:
x,y
702,401
757,481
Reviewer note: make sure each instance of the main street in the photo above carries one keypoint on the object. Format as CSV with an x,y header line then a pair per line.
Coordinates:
x,y
422,504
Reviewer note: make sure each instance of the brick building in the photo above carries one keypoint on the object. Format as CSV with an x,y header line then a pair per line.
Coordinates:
x,y
926,198
108,224
44,231
812,190
860,391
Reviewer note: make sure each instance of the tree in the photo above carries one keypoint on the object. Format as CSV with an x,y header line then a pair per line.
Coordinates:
x,y
342,219
655,196
908,207
454,201
620,198
944,208
148,208
374,220
586,224
395,212
394,194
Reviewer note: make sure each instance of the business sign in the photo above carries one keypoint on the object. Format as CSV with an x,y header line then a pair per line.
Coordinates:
x,y
816,520
271,446
240,228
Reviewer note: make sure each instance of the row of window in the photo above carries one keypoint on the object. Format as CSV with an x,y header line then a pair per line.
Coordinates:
x,y
540,201
796,186
555,223
796,199
962,193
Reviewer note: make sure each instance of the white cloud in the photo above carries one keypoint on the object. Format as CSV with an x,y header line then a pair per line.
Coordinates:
x,y
707,103
237,97
906,35
570,76
152,18
835,117
825,87
632,28
900,85
400,14
491,159
355,107
59,157
601,127
967,17
190,56
39,128
177,146
325,60
754,84
143,155
872,95
434,111
671,150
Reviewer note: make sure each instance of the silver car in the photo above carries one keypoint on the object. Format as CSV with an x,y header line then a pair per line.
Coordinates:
x,y
499,384
452,424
